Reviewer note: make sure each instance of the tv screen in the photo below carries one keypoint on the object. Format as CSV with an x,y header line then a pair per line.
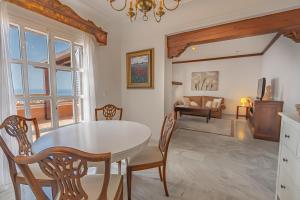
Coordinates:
x,y
261,88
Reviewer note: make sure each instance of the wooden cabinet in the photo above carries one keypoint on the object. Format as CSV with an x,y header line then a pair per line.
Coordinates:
x,y
288,175
264,120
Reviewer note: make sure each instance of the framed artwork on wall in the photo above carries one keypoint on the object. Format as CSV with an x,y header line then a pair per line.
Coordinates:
x,y
205,81
140,69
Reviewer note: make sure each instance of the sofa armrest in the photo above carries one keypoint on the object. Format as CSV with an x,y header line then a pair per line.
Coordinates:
x,y
178,103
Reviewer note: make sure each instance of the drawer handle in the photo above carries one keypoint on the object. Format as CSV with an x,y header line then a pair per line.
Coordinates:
x,y
287,136
285,160
283,187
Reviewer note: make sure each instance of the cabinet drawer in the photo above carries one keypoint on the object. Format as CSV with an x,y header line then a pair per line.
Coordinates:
x,y
290,137
286,190
290,163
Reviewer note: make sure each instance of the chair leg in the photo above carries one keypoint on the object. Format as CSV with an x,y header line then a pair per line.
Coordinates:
x,y
17,188
54,190
160,175
120,167
129,176
121,196
165,180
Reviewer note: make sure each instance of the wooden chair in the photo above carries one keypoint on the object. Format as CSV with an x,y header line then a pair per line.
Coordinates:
x,y
17,128
69,168
153,156
109,112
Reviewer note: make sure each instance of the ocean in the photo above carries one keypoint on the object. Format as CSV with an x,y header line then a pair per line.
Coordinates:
x,y
60,92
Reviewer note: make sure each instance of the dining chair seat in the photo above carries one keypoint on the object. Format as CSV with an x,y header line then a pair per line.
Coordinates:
x,y
37,172
150,154
153,157
93,183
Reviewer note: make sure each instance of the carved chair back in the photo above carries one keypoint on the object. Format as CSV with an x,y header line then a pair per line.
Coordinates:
x,y
67,166
166,133
109,112
17,128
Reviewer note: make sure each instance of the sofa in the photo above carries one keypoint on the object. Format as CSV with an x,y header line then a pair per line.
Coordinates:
x,y
201,101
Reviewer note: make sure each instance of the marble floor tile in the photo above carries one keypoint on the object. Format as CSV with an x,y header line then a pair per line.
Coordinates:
x,y
204,166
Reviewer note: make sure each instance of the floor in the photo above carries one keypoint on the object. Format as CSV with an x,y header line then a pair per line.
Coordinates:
x,y
204,166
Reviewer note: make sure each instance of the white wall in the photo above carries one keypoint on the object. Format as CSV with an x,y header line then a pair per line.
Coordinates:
x,y
144,105
281,67
107,71
237,78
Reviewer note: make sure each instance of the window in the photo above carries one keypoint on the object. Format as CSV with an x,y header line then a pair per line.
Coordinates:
x,y
46,74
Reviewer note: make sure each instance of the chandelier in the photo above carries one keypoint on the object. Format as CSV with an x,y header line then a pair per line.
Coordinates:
x,y
158,8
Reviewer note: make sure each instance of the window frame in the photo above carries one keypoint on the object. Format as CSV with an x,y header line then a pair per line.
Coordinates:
x,y
52,67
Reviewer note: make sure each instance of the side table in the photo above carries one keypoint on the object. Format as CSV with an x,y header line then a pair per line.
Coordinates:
x,y
238,112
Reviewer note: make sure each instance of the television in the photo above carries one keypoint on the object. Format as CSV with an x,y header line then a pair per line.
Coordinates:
x,y
261,88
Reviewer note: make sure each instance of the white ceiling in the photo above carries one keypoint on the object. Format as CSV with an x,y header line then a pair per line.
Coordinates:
x,y
189,15
100,10
249,45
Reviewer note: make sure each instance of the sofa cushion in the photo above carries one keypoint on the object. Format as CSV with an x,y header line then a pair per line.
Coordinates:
x,y
186,101
208,104
217,103
197,99
193,103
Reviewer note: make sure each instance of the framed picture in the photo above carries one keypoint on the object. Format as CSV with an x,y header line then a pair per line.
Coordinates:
x,y
140,69
205,81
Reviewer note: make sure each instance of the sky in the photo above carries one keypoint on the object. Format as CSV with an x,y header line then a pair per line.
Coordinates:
x,y
37,51
139,60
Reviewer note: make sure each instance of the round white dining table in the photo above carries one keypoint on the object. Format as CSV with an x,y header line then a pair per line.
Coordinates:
x,y
122,138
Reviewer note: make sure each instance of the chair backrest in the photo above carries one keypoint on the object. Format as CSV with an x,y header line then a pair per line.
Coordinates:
x,y
16,127
67,166
166,133
109,112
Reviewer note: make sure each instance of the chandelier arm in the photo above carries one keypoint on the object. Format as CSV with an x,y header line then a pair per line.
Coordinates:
x,y
136,12
132,19
171,9
117,9
157,18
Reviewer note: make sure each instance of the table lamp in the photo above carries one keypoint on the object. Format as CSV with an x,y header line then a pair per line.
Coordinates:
x,y
244,101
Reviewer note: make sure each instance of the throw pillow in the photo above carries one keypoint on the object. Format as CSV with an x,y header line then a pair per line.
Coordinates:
x,y
208,104
214,105
217,103
193,103
186,101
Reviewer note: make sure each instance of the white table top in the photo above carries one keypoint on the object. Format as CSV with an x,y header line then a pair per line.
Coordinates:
x,y
122,138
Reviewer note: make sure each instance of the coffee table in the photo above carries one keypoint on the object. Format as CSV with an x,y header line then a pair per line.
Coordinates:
x,y
194,111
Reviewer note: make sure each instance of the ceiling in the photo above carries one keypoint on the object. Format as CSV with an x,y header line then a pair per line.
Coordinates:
x,y
100,10
248,45
189,15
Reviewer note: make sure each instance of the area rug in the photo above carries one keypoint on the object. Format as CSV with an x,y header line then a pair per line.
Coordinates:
x,y
223,127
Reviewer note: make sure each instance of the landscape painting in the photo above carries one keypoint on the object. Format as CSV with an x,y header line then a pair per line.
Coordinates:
x,y
205,81
140,69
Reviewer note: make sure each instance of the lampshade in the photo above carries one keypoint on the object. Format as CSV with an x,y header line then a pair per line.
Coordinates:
x,y
244,101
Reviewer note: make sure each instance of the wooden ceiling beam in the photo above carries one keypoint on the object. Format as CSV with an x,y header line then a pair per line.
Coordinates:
x,y
270,44
62,13
273,23
293,33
